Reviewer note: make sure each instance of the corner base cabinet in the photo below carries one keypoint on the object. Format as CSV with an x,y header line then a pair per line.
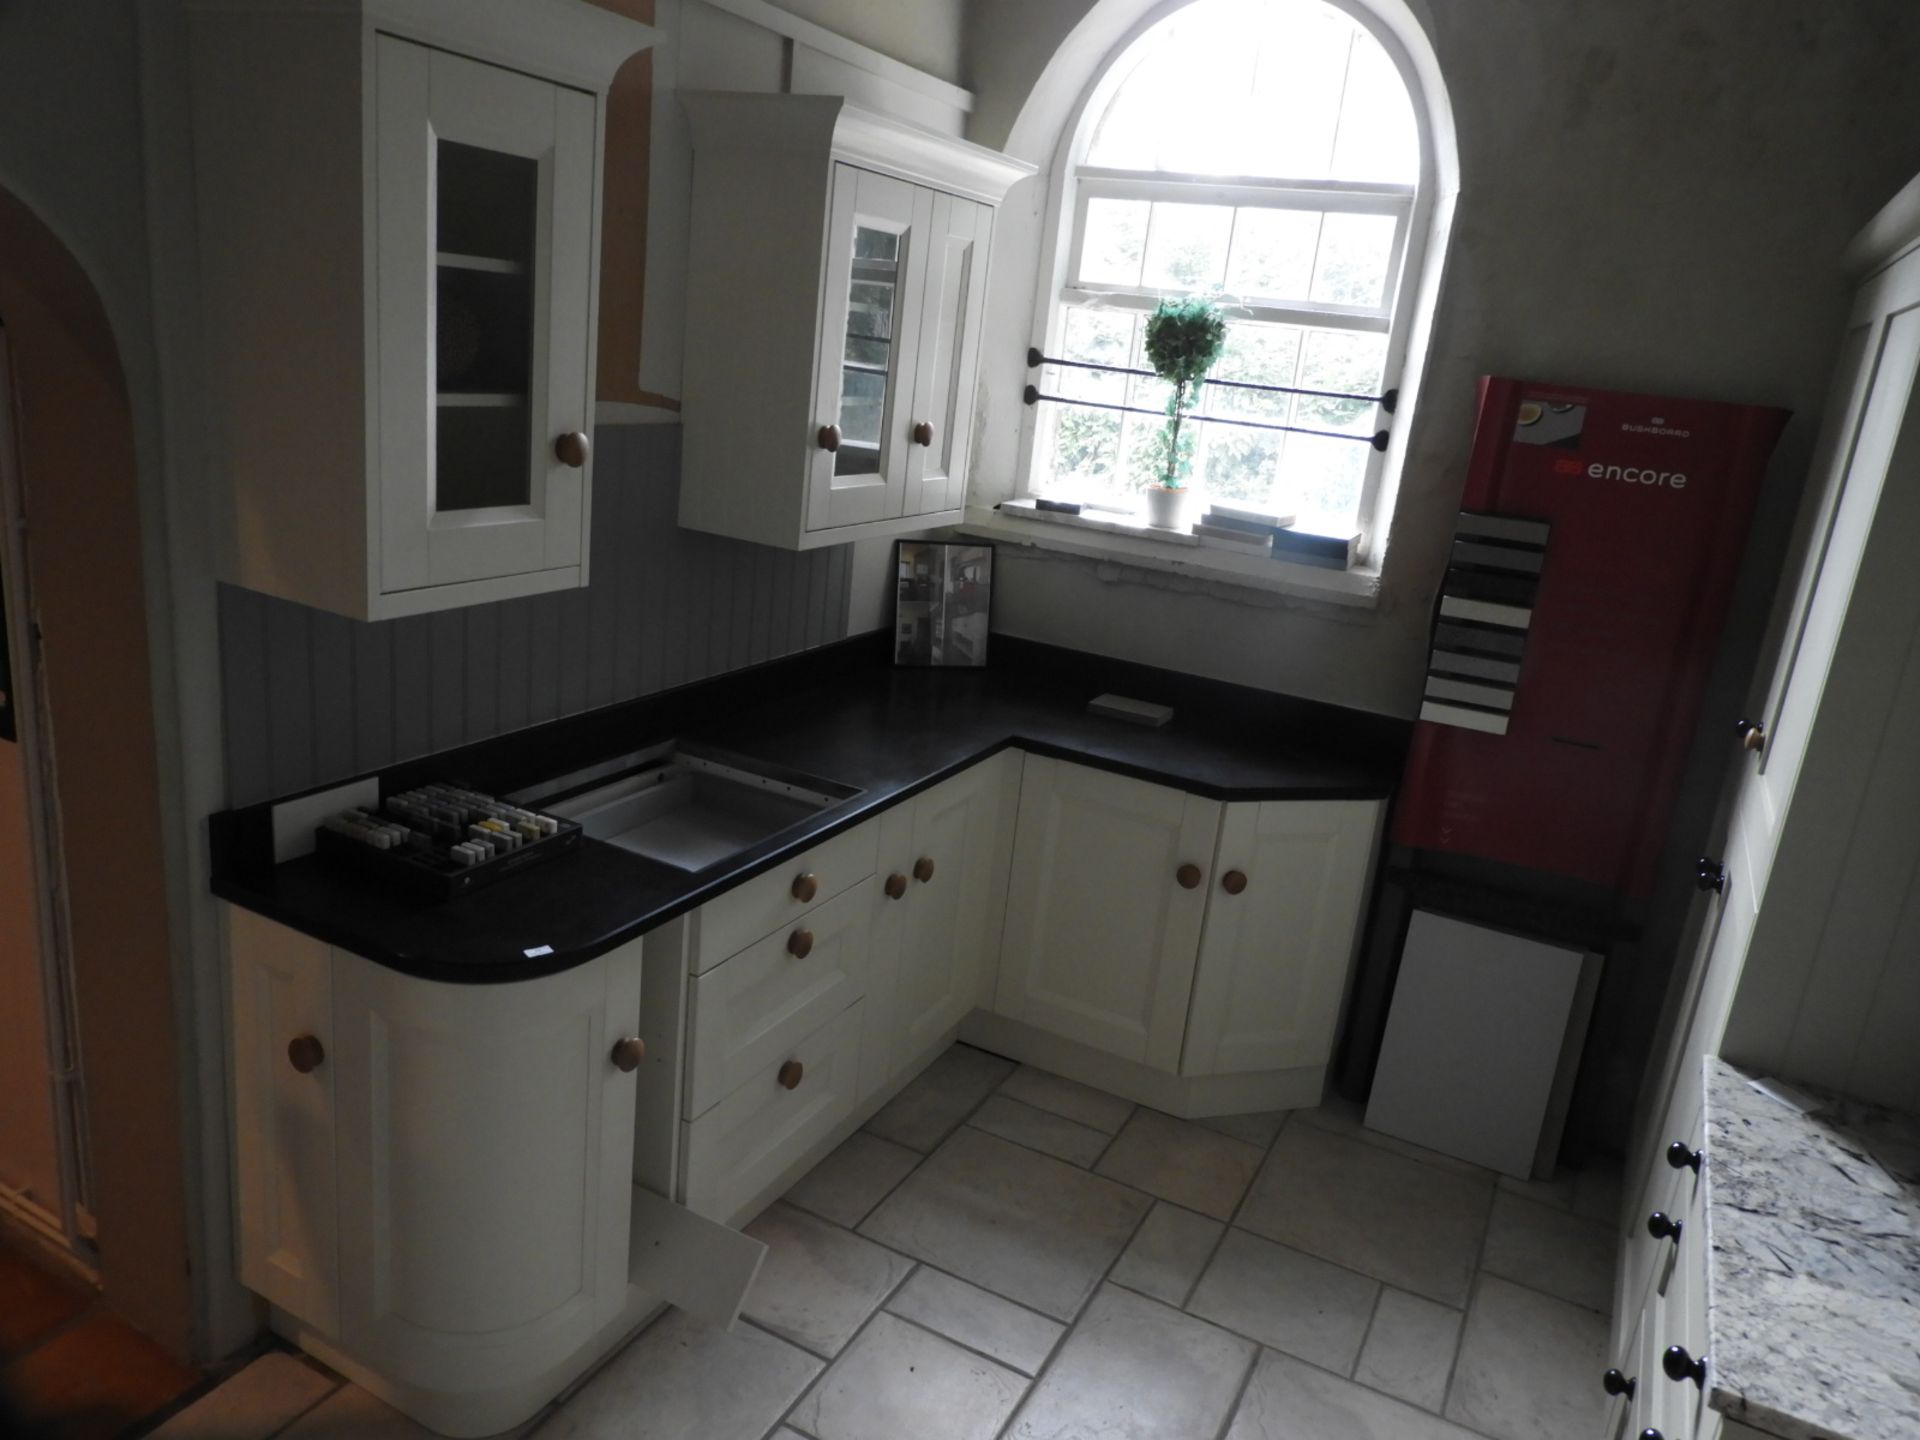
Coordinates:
x,y
399,213
836,286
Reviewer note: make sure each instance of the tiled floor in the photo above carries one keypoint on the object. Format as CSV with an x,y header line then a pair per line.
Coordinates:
x,y
1005,1255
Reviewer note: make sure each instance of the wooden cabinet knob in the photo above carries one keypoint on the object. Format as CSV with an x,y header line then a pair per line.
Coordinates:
x,y
1753,735
829,438
805,887
923,869
1233,882
572,449
800,944
923,433
1188,875
305,1052
628,1053
791,1074
896,885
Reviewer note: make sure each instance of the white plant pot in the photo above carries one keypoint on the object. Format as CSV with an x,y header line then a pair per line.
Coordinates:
x,y
1165,508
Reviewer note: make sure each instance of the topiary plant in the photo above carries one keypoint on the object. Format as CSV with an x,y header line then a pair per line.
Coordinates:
x,y
1183,340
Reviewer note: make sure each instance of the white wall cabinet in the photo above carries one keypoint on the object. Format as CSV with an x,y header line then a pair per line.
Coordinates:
x,y
836,285
1104,909
399,217
1289,887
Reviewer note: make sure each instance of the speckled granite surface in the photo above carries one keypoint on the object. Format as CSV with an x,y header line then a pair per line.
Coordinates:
x,y
1813,1228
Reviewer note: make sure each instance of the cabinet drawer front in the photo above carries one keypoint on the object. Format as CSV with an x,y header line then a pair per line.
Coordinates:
x,y
744,1143
748,1012
767,902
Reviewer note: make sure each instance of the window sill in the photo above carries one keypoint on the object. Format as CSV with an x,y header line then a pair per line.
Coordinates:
x,y
1125,542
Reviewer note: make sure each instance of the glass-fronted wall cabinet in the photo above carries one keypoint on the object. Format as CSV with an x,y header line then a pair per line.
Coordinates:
x,y
837,284
399,207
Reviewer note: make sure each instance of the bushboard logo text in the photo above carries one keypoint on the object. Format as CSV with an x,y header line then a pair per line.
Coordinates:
x,y
1631,474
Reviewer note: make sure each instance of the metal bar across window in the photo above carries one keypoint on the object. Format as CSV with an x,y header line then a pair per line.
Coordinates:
x,y
1385,401
1378,440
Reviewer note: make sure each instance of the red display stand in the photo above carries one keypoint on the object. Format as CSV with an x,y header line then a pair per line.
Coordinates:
x,y
1648,503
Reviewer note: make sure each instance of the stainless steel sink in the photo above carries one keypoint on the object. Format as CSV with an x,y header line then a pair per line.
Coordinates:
x,y
685,806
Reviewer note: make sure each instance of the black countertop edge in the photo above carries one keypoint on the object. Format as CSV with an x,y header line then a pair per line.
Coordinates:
x,y
600,897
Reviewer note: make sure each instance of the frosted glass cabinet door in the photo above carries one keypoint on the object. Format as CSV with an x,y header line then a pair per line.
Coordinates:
x,y
941,425
484,191
869,319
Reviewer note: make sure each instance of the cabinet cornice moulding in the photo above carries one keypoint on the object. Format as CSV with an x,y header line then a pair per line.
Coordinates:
x,y
565,40
828,128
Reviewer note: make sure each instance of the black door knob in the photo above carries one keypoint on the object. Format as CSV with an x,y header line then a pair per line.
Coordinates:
x,y
1614,1383
1710,875
1651,1434
1681,1158
1679,1365
1662,1226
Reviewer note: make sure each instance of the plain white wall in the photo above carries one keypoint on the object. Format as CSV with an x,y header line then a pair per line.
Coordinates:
x,y
925,34
1649,200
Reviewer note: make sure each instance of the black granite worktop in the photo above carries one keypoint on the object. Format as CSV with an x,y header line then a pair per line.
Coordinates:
x,y
843,714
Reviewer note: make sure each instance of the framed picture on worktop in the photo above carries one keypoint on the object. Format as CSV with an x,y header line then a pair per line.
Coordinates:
x,y
942,603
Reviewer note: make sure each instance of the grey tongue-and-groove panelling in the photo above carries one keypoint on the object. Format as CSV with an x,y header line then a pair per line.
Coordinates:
x,y
310,697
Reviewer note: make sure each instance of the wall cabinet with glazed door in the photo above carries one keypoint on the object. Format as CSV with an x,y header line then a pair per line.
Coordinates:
x,y
836,288
399,220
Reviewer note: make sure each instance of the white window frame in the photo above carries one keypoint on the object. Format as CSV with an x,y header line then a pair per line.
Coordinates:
x,y
1064,235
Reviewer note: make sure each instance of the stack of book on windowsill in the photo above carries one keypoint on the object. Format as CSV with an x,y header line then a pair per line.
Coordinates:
x,y
1239,527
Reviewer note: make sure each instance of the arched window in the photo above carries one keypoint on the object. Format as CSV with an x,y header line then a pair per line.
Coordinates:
x,y
1266,153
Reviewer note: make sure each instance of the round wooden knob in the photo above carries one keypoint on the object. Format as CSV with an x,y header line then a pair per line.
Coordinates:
x,y
1233,882
572,449
923,433
800,944
791,1074
1188,875
1753,735
896,885
805,887
829,438
305,1052
628,1053
923,869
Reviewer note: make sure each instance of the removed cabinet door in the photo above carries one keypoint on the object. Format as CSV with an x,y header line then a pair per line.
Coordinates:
x,y
1283,916
1104,907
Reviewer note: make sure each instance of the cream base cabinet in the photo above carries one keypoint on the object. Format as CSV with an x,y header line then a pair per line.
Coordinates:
x,y
1289,887
836,287
399,214
1104,909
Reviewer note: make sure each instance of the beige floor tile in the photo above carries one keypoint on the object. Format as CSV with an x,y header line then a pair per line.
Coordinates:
x,y
1047,1091
1257,1127
1527,1366
819,1283
1343,1117
1021,1224
1182,1162
997,1328
350,1413
1556,1192
940,1097
685,1380
1286,1300
1551,1250
1364,1207
857,1176
1168,1253
1288,1400
898,1380
1133,1369
1041,1130
1409,1349
257,1401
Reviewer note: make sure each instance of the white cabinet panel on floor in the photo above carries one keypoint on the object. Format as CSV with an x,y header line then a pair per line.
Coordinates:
x,y
1288,891
486,1142
1104,909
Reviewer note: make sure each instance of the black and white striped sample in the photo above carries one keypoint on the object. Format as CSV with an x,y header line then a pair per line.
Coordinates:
x,y
1486,607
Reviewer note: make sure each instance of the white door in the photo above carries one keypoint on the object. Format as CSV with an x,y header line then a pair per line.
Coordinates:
x,y
1104,909
484,190
870,309
941,424
284,1064
486,1150
1283,917
955,877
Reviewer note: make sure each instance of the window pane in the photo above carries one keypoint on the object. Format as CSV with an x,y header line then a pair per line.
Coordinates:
x,y
1187,246
1321,480
1273,252
1100,337
1322,477
1294,110
1351,268
1116,238
1377,138
1347,361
